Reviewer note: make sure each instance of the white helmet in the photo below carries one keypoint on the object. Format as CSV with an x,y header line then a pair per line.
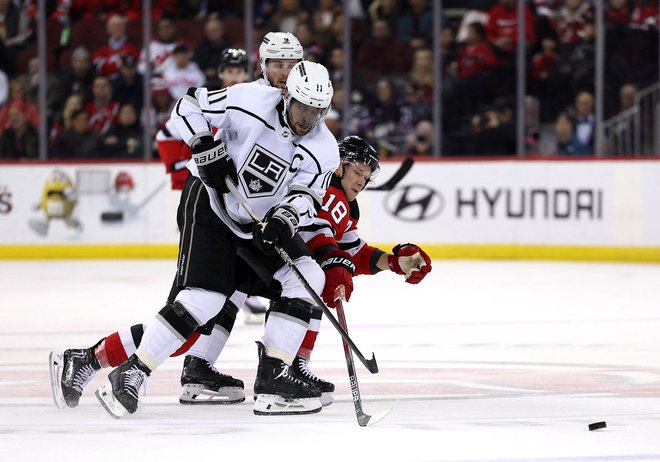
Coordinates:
x,y
279,45
309,84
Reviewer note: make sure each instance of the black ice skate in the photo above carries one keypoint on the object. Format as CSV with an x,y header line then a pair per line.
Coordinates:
x,y
69,373
300,369
278,392
120,396
203,384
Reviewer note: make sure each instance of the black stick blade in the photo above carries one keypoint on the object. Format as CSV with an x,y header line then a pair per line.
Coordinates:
x,y
390,184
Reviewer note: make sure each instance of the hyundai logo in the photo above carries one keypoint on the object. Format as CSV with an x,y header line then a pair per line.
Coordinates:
x,y
414,202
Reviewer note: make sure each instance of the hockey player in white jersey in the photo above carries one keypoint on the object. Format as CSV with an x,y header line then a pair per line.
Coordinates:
x,y
278,53
281,155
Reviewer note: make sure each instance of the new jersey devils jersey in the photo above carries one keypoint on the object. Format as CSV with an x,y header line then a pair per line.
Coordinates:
x,y
273,164
336,227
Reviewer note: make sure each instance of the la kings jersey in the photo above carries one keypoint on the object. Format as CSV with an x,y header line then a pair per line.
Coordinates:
x,y
274,166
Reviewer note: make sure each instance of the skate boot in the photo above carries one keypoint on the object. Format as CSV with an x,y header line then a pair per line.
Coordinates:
x,y
278,392
203,384
120,396
69,373
300,369
255,311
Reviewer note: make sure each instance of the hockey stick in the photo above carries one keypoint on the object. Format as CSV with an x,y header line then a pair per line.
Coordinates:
x,y
130,210
370,364
390,184
364,420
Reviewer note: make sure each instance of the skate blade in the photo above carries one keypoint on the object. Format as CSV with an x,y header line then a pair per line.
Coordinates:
x,y
195,394
109,403
276,405
55,367
327,399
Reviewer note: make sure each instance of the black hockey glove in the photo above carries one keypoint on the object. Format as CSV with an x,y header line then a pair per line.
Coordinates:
x,y
214,164
277,228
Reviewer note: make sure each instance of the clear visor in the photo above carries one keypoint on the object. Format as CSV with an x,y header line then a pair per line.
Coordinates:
x,y
301,115
369,179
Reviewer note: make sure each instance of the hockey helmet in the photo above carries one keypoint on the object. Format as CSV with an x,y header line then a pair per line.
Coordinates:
x,y
309,84
354,149
233,57
279,45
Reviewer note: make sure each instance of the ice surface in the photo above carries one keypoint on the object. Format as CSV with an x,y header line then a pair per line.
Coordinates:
x,y
489,361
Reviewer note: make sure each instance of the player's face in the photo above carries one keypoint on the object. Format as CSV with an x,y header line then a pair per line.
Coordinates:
x,y
356,176
302,118
277,71
233,75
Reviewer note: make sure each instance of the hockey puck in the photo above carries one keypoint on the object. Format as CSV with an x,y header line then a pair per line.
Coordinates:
x,y
112,216
597,426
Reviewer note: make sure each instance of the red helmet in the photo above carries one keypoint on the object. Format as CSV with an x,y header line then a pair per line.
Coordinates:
x,y
124,182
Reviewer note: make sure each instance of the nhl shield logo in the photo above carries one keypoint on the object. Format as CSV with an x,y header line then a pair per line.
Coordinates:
x,y
263,172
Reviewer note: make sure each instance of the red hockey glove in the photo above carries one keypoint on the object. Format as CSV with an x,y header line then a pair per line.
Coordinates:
x,y
339,270
411,261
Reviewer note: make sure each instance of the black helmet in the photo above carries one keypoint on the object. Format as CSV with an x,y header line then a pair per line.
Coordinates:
x,y
233,57
354,149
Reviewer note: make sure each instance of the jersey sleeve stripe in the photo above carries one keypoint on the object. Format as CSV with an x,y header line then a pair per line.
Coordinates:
x,y
236,108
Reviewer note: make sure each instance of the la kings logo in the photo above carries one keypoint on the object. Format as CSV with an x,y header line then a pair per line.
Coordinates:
x,y
263,172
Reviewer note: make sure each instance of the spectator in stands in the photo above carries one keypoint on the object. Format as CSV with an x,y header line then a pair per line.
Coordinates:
x,y
322,19
567,143
288,14
545,81
162,104
31,82
494,131
502,29
18,99
419,143
108,58
160,48
62,120
20,140
102,109
124,140
77,142
390,117
414,26
207,54
584,120
627,94
79,77
573,17
183,74
15,31
309,39
470,80
419,86
128,84
70,11
382,54
336,65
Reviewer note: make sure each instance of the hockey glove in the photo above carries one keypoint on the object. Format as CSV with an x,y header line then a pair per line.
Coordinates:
x,y
214,164
339,270
277,228
411,261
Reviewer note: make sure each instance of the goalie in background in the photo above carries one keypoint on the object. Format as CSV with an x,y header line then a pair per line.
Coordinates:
x,y
58,201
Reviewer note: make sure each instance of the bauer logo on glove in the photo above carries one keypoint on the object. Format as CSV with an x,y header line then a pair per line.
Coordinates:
x,y
210,156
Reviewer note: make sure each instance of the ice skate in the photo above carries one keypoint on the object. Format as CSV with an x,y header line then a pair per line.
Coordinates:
x,y
277,392
203,384
300,369
69,373
255,311
120,396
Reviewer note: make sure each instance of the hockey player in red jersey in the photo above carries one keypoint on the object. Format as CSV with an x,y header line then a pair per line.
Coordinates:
x,y
335,243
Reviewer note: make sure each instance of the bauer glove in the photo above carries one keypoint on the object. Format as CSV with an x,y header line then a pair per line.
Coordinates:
x,y
277,228
339,270
411,261
214,164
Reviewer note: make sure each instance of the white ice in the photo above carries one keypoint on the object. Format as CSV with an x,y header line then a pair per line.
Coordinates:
x,y
488,361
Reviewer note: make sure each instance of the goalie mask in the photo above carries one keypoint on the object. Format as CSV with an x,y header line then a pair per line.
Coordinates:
x,y
354,149
307,97
278,45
